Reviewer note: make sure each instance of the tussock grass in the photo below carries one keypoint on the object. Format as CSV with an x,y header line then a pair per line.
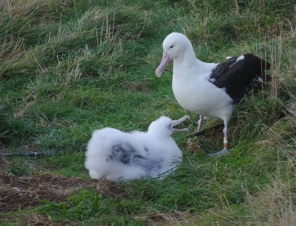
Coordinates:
x,y
70,67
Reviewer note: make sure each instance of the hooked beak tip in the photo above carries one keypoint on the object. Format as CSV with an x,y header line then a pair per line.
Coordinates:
x,y
158,73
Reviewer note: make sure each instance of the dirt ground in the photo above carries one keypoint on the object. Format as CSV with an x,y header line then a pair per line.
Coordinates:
x,y
25,192
18,193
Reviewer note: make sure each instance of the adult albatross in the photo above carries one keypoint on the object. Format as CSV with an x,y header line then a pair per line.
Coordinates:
x,y
209,89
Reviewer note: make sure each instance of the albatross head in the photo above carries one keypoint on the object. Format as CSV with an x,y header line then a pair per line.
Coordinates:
x,y
174,47
164,126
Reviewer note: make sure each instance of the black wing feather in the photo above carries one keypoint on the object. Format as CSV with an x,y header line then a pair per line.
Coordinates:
x,y
222,68
240,76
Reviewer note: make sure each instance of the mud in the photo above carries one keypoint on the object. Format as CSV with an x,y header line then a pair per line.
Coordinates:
x,y
17,193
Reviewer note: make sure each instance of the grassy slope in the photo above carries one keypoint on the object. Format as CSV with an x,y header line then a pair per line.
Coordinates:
x,y
69,67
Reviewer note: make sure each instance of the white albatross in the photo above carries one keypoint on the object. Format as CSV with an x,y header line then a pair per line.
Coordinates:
x,y
120,156
209,89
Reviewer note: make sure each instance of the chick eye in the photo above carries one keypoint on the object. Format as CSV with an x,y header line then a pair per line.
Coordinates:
x,y
172,46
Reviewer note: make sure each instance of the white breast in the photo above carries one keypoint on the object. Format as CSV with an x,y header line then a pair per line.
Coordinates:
x,y
198,95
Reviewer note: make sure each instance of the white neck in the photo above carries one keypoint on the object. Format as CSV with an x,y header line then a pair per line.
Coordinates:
x,y
188,66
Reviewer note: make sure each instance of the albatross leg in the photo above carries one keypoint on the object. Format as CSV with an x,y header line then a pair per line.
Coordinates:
x,y
225,150
200,122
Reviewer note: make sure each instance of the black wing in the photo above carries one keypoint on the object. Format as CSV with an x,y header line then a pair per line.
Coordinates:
x,y
240,75
222,67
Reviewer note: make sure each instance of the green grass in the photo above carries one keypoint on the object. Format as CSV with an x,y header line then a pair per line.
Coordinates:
x,y
70,67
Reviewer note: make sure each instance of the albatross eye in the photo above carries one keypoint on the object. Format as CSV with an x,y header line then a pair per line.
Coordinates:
x,y
171,46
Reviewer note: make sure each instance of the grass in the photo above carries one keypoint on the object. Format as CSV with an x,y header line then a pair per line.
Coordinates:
x,y
70,67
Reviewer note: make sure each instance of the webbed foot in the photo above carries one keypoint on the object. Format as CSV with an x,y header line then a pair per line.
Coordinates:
x,y
224,151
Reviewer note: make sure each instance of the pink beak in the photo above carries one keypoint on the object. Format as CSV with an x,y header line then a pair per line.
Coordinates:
x,y
165,60
177,122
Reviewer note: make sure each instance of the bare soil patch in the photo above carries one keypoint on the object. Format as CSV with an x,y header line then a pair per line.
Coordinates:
x,y
27,192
